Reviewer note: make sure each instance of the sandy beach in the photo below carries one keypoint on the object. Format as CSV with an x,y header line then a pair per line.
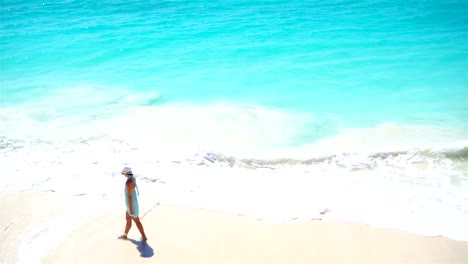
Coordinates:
x,y
22,212
188,235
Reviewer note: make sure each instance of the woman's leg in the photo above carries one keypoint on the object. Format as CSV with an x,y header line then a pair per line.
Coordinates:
x,y
140,228
128,225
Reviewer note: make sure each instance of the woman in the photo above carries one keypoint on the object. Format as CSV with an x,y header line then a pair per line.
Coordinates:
x,y
131,201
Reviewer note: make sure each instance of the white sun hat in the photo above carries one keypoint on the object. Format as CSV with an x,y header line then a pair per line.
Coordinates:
x,y
127,170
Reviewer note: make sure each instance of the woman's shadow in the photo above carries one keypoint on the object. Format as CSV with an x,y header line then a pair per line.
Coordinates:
x,y
146,251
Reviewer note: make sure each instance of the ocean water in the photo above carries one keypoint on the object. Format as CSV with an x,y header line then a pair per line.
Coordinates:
x,y
281,110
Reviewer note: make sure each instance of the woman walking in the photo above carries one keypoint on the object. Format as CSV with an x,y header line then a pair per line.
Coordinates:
x,y
131,201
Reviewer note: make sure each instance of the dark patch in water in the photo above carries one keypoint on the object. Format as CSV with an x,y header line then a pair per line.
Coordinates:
x,y
153,180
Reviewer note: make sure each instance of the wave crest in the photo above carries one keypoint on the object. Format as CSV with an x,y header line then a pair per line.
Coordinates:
x,y
449,158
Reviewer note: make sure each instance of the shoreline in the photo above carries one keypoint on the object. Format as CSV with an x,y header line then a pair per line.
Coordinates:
x,y
187,235
181,234
20,218
32,222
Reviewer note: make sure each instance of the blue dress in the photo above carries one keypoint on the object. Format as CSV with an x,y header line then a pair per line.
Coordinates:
x,y
136,209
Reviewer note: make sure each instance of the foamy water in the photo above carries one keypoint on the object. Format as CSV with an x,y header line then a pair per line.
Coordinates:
x,y
240,159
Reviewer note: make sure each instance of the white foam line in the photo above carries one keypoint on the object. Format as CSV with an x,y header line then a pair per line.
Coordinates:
x,y
39,241
7,228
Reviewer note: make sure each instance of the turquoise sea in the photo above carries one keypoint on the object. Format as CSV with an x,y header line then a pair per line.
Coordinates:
x,y
366,61
374,91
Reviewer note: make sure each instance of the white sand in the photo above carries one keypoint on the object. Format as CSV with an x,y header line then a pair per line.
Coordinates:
x,y
186,235
22,213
